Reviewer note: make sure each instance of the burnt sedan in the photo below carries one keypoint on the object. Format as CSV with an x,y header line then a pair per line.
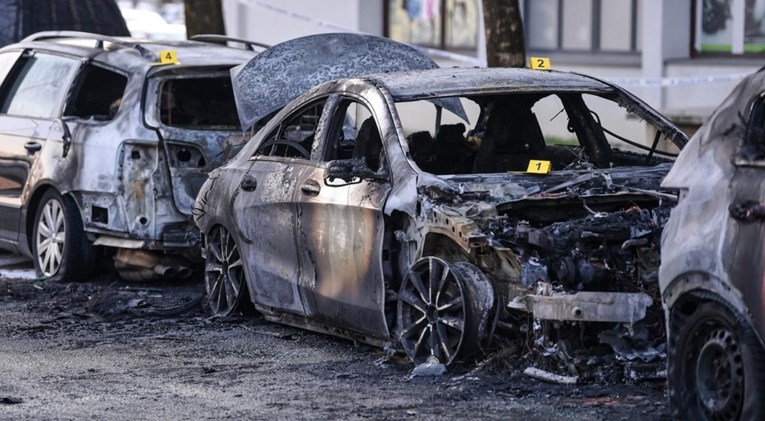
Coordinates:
x,y
712,264
442,208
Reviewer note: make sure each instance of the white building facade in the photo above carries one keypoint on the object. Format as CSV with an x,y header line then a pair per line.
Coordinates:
x,y
681,56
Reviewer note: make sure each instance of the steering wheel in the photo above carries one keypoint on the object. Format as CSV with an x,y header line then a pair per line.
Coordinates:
x,y
285,148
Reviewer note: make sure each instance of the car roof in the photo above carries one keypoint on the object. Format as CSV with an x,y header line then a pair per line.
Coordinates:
x,y
459,81
135,52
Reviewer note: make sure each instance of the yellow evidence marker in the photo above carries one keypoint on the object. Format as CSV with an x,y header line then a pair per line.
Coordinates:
x,y
168,57
540,63
539,167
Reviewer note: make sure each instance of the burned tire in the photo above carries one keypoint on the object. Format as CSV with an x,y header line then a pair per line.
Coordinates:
x,y
225,281
716,365
442,310
61,250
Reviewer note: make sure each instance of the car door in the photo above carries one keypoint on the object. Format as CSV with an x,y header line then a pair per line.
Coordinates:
x,y
340,222
31,101
265,213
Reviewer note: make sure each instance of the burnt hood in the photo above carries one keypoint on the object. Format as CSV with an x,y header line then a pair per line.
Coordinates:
x,y
283,72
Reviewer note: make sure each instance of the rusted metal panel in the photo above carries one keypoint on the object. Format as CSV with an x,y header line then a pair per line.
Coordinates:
x,y
590,306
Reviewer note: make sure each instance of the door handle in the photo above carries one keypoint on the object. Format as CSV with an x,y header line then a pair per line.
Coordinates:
x,y
249,184
311,187
32,147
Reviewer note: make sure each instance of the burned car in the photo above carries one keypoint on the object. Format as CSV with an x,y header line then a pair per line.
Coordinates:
x,y
712,264
105,144
372,208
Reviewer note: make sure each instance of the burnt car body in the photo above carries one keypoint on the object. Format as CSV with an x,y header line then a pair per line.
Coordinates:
x,y
340,218
102,147
712,264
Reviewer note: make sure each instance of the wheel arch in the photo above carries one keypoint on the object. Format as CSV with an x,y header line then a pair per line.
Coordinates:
x,y
440,245
693,288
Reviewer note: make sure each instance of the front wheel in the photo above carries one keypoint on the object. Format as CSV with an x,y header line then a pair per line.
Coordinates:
x,y
442,310
716,364
61,249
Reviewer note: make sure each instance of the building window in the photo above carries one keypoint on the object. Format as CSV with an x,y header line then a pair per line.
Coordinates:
x,y
611,26
442,24
729,26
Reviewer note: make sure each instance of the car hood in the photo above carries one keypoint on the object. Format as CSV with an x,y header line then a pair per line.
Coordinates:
x,y
534,196
283,72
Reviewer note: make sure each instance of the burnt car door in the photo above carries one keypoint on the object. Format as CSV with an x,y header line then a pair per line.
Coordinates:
x,y
340,198
264,212
31,102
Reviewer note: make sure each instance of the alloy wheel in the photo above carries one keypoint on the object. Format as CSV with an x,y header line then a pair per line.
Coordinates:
x,y
51,235
224,273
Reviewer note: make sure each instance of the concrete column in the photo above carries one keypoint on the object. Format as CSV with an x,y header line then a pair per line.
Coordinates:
x,y
371,16
738,10
666,35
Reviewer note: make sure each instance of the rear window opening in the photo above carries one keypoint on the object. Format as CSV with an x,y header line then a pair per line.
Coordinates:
x,y
199,104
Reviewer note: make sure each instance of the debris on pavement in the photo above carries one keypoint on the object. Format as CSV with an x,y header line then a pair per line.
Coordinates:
x,y
431,367
549,377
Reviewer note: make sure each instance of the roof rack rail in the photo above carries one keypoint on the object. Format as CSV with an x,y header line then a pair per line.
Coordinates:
x,y
219,38
100,39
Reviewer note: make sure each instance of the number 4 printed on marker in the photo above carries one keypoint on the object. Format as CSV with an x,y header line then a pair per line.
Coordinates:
x,y
168,57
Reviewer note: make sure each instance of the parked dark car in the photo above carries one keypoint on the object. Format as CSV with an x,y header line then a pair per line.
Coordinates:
x,y
712,273
415,207
103,146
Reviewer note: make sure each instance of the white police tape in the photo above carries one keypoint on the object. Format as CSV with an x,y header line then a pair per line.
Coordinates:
x,y
473,61
677,81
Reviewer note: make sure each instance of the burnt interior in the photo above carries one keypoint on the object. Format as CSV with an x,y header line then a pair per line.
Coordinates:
x,y
200,103
508,135
98,94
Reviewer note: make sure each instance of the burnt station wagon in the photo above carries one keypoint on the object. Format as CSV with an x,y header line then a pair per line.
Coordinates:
x,y
104,145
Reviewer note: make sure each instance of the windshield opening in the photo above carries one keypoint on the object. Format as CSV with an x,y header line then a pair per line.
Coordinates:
x,y
569,130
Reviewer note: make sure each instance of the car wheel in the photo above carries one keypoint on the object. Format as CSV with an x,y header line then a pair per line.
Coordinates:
x,y
437,312
716,364
62,251
224,274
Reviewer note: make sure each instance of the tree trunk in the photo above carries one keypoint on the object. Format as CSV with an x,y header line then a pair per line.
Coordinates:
x,y
505,45
204,17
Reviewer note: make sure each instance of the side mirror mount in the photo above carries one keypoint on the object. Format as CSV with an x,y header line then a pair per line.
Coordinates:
x,y
67,136
343,172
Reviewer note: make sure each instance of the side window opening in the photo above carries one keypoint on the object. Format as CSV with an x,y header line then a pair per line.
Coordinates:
x,y
753,147
294,136
34,78
199,103
355,135
99,95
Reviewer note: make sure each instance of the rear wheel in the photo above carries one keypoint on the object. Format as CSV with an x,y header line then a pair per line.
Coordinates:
x,y
716,364
224,274
438,312
62,251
